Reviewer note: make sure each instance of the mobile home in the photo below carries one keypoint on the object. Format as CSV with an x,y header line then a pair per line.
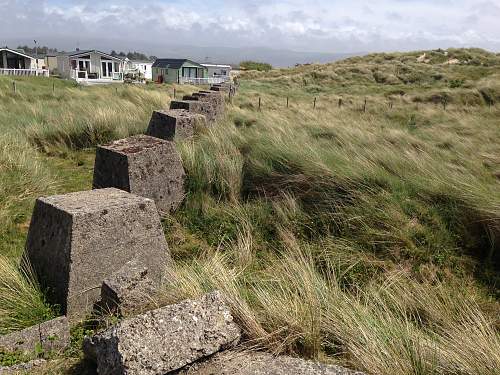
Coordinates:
x,y
17,62
178,71
218,70
90,66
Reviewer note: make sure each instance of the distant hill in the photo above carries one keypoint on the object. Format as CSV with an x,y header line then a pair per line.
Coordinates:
x,y
228,55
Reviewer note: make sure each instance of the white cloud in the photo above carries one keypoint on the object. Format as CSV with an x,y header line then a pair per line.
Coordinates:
x,y
314,25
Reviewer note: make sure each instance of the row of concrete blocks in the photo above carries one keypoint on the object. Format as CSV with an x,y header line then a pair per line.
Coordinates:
x,y
208,103
149,165
76,240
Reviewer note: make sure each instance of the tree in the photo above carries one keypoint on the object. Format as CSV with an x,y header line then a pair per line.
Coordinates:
x,y
133,55
40,50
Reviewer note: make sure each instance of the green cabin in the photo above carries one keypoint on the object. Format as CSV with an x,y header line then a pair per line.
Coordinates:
x,y
177,70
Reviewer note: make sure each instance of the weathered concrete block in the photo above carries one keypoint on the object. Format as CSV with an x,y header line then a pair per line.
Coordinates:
x,y
205,108
219,88
216,98
52,335
253,363
188,105
142,165
127,290
76,240
175,124
165,339
215,105
224,87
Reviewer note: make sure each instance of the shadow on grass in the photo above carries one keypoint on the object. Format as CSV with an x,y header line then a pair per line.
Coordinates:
x,y
84,367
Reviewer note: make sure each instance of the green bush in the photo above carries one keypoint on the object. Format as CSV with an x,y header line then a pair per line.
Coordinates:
x,y
13,358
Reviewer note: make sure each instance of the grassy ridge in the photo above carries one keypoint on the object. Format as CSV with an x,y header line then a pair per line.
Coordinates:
x,y
361,238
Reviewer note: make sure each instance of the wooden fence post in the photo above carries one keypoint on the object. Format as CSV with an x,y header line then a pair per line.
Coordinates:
x,y
174,93
287,101
340,102
53,87
14,87
364,106
314,104
259,103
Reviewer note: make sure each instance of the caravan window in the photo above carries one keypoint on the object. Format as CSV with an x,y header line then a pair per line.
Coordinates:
x,y
83,65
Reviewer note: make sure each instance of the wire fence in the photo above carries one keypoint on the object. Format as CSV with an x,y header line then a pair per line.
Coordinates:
x,y
316,103
364,104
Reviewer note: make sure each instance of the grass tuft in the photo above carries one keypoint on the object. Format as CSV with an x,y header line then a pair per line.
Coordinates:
x,y
21,301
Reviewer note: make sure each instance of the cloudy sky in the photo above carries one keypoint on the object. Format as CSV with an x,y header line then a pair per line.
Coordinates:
x,y
312,25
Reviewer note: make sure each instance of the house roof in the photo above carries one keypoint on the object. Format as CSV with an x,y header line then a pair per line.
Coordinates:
x,y
212,65
173,63
16,51
86,52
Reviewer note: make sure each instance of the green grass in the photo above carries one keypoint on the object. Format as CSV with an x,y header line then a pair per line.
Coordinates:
x,y
365,238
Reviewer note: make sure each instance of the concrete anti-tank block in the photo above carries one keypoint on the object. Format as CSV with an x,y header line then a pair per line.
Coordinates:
x,y
216,98
166,339
145,166
76,240
252,363
206,108
175,124
217,106
188,105
52,335
219,88
127,290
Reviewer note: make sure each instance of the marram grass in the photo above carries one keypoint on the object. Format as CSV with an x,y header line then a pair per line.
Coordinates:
x,y
365,236
21,300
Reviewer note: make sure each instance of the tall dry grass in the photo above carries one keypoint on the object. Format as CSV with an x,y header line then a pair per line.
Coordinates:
x,y
21,300
363,238
298,304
